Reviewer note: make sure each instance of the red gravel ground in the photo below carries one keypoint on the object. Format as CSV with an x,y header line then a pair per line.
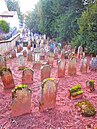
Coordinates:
x,y
63,116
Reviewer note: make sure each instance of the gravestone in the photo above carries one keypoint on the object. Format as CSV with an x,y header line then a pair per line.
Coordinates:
x,y
90,85
29,56
51,59
21,100
93,63
25,53
56,51
7,78
61,68
19,49
2,61
84,65
72,66
37,55
13,54
42,54
48,94
21,61
45,72
27,76
79,52
75,92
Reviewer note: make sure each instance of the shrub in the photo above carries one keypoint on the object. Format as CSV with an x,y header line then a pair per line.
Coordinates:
x,y
4,26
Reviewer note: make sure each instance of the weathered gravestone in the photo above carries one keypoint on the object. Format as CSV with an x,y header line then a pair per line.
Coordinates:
x,y
93,63
37,55
56,52
45,72
84,65
51,59
37,63
21,100
86,108
13,54
21,61
48,94
90,85
42,54
61,68
25,53
27,76
7,78
29,56
80,52
72,66
2,61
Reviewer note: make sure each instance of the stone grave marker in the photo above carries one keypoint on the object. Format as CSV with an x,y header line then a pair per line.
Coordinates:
x,y
37,55
45,72
21,61
61,68
2,61
90,85
48,94
51,58
75,92
21,100
86,108
7,78
56,51
93,63
42,53
29,56
13,54
25,53
79,52
72,66
84,65
27,76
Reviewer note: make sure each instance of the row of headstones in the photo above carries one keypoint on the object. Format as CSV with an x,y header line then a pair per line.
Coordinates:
x,y
21,98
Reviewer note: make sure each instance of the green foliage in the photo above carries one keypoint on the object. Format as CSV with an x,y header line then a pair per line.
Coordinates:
x,y
57,18
13,5
4,26
75,88
77,93
88,29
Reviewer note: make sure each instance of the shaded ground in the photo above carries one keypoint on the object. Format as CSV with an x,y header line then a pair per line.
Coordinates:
x,y
64,116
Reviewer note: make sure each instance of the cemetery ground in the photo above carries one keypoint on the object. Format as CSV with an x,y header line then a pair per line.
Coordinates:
x,y
65,114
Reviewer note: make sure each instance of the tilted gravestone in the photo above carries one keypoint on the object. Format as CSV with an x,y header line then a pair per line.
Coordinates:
x,y
7,78
84,65
2,61
72,66
21,100
61,68
48,94
45,72
27,76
